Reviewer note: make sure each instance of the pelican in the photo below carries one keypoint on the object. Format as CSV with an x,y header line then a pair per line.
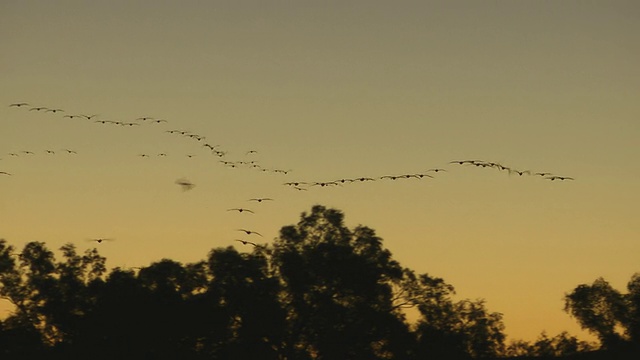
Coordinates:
x,y
241,210
100,240
261,199
528,172
249,232
245,242
559,178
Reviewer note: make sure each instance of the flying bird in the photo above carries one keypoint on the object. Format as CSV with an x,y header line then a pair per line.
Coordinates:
x,y
19,104
39,108
520,173
418,176
241,210
100,240
245,242
462,162
54,110
4,173
249,232
72,116
89,117
260,199
559,178
185,184
69,151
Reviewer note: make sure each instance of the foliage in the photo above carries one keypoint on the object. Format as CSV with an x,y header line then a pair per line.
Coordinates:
x,y
320,291
612,316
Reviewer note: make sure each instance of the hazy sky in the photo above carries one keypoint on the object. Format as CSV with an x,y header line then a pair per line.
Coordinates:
x,y
330,90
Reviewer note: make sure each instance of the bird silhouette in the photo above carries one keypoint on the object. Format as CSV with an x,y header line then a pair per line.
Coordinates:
x,y
185,184
462,162
4,173
552,178
38,108
249,232
245,242
419,176
54,110
295,183
70,151
520,172
19,104
241,210
100,240
260,199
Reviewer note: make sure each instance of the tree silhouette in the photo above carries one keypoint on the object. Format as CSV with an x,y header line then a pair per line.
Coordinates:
x,y
244,289
321,291
598,308
614,317
337,290
561,345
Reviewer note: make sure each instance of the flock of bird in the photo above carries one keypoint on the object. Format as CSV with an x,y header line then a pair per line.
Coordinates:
x,y
249,162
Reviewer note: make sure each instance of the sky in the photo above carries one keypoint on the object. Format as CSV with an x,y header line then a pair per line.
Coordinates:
x,y
326,90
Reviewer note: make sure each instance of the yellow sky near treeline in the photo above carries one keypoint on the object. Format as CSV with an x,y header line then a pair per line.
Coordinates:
x,y
332,90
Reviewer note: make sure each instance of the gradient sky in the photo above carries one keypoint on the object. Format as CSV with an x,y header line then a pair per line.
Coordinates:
x,y
335,89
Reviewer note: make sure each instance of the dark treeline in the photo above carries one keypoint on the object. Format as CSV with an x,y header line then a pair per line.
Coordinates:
x,y
320,291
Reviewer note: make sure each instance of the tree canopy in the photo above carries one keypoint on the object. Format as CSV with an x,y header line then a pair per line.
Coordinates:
x,y
320,291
